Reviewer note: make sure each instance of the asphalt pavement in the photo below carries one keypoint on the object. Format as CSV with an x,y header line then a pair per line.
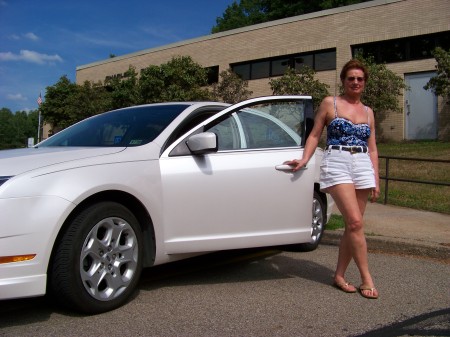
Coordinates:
x,y
400,230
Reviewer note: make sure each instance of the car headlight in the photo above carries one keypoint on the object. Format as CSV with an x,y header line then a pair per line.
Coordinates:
x,y
4,179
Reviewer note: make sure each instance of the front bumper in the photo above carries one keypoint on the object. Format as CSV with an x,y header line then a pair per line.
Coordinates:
x,y
28,225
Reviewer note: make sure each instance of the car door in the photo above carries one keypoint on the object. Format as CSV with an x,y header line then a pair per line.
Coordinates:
x,y
240,195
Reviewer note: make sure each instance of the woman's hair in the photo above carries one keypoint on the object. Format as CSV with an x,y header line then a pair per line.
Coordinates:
x,y
354,64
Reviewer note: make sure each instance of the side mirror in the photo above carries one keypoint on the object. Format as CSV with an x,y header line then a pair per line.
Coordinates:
x,y
202,143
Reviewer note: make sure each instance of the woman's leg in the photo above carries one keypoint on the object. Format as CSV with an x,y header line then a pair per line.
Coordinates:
x,y
352,204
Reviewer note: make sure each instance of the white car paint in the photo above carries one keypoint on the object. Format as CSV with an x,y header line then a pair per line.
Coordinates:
x,y
197,203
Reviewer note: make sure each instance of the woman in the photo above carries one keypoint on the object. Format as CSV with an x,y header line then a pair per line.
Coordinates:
x,y
349,170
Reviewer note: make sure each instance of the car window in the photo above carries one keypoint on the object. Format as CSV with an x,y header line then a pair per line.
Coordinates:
x,y
289,115
264,131
227,134
261,126
195,118
126,127
256,125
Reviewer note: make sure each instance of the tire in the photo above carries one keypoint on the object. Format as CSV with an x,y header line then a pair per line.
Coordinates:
x,y
317,225
98,260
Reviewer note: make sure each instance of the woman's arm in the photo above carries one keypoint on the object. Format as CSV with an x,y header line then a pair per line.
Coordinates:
x,y
373,153
314,136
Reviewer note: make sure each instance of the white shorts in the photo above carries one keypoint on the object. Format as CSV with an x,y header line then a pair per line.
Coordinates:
x,y
343,167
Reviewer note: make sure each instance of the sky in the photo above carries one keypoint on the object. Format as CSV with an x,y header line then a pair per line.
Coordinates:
x,y
40,41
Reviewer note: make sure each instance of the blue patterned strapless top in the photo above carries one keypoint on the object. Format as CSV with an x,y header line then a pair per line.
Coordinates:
x,y
341,131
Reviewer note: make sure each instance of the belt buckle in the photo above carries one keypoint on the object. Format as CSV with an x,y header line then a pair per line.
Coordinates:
x,y
353,149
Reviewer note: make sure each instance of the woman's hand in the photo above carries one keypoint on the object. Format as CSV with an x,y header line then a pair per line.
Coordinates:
x,y
374,194
296,164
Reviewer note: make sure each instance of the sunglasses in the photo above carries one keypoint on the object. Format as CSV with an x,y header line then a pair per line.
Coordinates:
x,y
352,78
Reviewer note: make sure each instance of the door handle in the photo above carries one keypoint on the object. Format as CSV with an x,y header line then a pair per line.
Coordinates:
x,y
287,168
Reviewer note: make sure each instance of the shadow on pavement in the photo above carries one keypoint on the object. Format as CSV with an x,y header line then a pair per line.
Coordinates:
x,y
435,323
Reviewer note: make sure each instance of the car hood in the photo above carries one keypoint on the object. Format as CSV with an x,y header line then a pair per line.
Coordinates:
x,y
14,162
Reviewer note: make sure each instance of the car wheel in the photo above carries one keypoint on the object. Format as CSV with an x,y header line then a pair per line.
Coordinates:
x,y
317,225
98,260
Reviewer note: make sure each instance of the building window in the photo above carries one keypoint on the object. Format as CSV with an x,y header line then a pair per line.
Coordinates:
x,y
260,70
325,61
304,60
405,49
277,66
213,74
243,70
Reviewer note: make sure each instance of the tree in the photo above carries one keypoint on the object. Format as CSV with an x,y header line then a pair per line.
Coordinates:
x,y
6,132
251,12
58,107
440,84
231,88
151,84
20,129
15,129
180,79
90,99
327,4
124,91
245,13
300,82
67,103
32,125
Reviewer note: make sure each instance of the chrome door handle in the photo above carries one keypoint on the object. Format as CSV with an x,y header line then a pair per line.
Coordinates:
x,y
287,168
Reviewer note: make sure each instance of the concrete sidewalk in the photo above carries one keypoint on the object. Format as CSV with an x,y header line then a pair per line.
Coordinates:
x,y
399,230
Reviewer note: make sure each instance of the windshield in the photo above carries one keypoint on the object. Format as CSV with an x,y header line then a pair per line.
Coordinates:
x,y
126,127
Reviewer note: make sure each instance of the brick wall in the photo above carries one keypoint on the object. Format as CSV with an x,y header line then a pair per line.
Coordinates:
x,y
336,28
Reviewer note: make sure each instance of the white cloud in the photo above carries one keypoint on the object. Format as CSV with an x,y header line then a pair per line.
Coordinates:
x,y
161,33
31,36
30,56
16,97
114,43
7,56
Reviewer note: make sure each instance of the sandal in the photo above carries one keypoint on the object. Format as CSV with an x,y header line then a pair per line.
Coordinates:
x,y
373,295
345,287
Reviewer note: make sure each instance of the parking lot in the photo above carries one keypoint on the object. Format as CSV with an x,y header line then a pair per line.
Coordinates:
x,y
258,292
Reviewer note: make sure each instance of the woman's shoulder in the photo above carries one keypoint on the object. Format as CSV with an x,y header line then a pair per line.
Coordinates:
x,y
328,101
368,108
326,109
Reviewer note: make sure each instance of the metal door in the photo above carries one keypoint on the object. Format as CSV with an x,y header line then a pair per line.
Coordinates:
x,y
239,196
420,108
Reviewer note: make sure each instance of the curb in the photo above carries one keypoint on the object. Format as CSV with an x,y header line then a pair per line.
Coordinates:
x,y
394,246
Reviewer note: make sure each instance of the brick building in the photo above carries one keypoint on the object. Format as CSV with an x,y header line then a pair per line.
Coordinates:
x,y
400,33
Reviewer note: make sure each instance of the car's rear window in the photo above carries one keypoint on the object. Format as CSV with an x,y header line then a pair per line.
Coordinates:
x,y
126,127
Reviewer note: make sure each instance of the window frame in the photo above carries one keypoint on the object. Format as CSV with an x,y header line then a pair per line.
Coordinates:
x,y
247,72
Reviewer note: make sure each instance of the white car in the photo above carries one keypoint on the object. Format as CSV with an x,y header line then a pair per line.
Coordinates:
x,y
85,210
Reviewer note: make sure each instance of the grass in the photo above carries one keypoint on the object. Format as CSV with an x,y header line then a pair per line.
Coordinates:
x,y
416,149
416,195
336,222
